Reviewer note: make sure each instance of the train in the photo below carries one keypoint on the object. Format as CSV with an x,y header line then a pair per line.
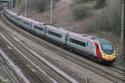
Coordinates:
x,y
96,48
1,7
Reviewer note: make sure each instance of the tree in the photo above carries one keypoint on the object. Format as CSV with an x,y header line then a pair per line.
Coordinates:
x,y
100,3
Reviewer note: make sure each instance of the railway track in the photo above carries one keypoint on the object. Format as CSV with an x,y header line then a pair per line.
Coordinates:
x,y
10,74
50,71
114,75
105,72
13,55
116,69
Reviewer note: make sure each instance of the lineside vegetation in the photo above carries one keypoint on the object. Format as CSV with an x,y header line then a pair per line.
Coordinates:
x,y
108,20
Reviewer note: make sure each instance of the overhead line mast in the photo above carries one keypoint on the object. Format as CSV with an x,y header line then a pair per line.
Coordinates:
x,y
25,14
122,33
51,12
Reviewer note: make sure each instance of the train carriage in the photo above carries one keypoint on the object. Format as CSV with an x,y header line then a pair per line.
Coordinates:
x,y
38,28
18,20
81,44
107,51
56,33
26,23
10,15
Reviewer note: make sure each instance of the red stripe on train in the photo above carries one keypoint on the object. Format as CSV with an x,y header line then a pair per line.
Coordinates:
x,y
98,53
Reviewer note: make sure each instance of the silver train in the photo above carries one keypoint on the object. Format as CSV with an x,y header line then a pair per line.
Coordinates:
x,y
97,48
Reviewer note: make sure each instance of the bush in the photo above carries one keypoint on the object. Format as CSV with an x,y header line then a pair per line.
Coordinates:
x,y
80,11
100,4
41,5
101,23
16,2
107,21
82,1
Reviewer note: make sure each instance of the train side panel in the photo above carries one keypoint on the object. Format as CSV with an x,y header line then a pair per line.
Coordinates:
x,y
38,28
26,23
75,41
91,49
18,20
56,34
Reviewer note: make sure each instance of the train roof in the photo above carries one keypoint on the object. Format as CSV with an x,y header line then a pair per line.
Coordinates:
x,y
90,38
27,19
83,36
102,40
19,16
57,29
37,22
12,13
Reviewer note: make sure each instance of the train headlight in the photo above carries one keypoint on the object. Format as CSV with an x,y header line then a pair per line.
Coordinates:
x,y
103,54
116,54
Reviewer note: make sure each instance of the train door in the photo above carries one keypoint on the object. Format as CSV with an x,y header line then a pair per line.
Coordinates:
x,y
45,30
66,38
89,47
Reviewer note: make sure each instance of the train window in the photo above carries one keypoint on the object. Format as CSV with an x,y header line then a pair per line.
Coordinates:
x,y
26,23
18,19
107,48
78,42
93,38
85,35
39,28
55,34
12,16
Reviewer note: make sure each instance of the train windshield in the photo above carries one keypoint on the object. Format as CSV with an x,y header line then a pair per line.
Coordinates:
x,y
107,48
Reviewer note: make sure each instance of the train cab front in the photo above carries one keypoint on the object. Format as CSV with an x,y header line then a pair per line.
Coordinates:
x,y
107,51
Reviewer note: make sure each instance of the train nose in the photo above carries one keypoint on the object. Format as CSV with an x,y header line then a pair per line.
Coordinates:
x,y
109,57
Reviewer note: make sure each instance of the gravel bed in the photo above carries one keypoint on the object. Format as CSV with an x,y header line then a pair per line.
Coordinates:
x,y
5,76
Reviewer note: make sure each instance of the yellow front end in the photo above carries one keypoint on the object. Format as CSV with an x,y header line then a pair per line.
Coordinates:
x,y
109,58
